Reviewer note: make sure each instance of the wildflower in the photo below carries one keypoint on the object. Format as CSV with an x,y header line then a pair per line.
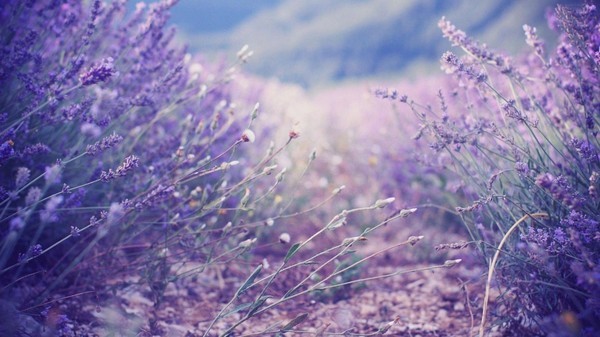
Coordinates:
x,y
6,150
115,213
533,40
128,164
544,180
22,176
49,212
105,143
521,168
16,223
32,252
38,148
98,73
33,195
384,93
583,225
75,231
586,150
160,193
52,174
75,199
63,325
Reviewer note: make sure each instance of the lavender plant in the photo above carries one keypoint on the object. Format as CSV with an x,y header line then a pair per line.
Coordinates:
x,y
118,150
521,135
127,163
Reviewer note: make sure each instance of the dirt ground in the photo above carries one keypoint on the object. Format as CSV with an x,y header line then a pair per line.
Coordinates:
x,y
440,302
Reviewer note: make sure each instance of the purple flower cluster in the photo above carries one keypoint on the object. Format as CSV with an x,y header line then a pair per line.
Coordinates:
x,y
128,164
104,144
561,190
32,252
522,134
84,85
98,73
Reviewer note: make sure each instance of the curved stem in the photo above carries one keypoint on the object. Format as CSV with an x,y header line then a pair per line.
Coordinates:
x,y
492,266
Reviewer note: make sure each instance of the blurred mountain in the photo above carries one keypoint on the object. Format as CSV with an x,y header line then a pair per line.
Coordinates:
x,y
210,16
313,42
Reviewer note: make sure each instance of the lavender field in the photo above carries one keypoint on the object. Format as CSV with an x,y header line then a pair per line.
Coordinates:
x,y
285,168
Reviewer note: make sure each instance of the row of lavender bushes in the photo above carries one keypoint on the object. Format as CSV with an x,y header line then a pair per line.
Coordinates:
x,y
127,162
118,152
514,145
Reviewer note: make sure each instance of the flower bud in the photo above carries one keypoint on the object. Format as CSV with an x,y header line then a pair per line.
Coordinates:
x,y
414,239
338,190
381,203
248,136
280,175
254,112
246,243
284,238
406,212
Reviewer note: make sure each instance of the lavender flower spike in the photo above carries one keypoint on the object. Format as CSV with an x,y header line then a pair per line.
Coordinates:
x,y
128,164
98,73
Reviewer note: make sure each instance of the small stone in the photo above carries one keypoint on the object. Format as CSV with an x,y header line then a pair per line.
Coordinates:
x,y
459,306
441,315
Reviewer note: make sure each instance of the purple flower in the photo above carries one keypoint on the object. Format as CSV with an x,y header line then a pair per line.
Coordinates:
x,y
6,150
158,194
33,195
537,236
48,214
587,228
512,112
128,164
63,326
22,177
38,148
105,143
98,73
16,223
586,150
75,231
533,40
522,168
560,189
32,252
75,199
53,174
